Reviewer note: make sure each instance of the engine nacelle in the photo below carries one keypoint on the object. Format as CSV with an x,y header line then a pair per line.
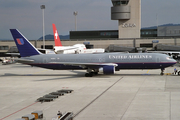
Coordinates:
x,y
107,69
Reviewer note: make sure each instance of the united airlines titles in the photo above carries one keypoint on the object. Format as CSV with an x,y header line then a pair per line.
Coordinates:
x,y
130,56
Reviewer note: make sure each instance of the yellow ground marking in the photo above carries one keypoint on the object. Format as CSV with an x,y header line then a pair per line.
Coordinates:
x,y
147,71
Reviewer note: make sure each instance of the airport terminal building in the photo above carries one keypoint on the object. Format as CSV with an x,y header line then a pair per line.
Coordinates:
x,y
128,14
152,32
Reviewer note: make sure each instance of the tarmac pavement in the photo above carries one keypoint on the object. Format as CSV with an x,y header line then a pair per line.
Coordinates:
x,y
126,95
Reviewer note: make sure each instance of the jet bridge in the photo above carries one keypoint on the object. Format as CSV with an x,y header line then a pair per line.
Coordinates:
x,y
117,48
164,47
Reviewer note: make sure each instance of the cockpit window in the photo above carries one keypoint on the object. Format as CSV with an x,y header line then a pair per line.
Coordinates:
x,y
169,58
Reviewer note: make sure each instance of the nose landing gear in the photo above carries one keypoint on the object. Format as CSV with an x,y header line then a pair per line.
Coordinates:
x,y
162,71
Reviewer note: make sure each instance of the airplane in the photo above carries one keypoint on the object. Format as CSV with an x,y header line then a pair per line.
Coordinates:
x,y
106,63
65,49
6,61
173,54
75,49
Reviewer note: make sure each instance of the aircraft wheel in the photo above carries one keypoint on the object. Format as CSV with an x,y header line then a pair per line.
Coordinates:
x,y
95,73
88,74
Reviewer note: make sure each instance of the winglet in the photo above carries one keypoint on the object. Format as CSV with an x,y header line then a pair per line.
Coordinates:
x,y
56,36
24,46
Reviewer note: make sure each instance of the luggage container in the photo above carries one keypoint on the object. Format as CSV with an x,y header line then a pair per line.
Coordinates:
x,y
29,117
43,99
38,114
56,93
50,96
65,91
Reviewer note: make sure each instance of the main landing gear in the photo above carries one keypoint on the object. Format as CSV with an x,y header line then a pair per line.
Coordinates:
x,y
162,71
90,74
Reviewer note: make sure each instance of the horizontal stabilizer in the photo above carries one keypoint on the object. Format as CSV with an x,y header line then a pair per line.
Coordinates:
x,y
21,60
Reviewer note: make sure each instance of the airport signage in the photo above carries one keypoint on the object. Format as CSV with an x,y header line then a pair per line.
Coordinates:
x,y
155,41
128,25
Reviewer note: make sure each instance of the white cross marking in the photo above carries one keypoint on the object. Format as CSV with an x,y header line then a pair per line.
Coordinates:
x,y
56,34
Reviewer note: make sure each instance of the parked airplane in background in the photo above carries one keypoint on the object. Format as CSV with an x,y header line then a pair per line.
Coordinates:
x,y
46,51
107,63
173,54
65,49
6,61
75,49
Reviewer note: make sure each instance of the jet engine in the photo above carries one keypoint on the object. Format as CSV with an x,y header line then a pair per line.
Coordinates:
x,y
107,69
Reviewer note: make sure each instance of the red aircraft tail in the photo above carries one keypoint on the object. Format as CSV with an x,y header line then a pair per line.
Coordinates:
x,y
56,36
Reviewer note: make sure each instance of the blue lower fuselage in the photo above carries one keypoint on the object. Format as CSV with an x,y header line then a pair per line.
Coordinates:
x,y
120,66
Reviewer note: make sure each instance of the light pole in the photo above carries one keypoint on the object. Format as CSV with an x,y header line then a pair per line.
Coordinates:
x,y
43,7
75,14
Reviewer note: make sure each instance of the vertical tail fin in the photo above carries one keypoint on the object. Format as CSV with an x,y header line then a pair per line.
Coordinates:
x,y
56,36
24,46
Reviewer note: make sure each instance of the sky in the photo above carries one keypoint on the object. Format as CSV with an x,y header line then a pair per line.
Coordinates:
x,y
26,15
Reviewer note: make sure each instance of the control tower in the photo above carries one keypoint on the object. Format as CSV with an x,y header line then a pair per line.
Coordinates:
x,y
128,14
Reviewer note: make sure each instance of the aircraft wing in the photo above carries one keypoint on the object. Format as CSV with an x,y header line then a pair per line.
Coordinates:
x,y
84,65
65,48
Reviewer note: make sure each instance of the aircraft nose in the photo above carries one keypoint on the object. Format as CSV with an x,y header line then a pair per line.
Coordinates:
x,y
173,60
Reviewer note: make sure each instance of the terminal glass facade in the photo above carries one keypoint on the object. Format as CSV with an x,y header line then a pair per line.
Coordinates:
x,y
4,47
107,34
94,34
161,31
148,32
